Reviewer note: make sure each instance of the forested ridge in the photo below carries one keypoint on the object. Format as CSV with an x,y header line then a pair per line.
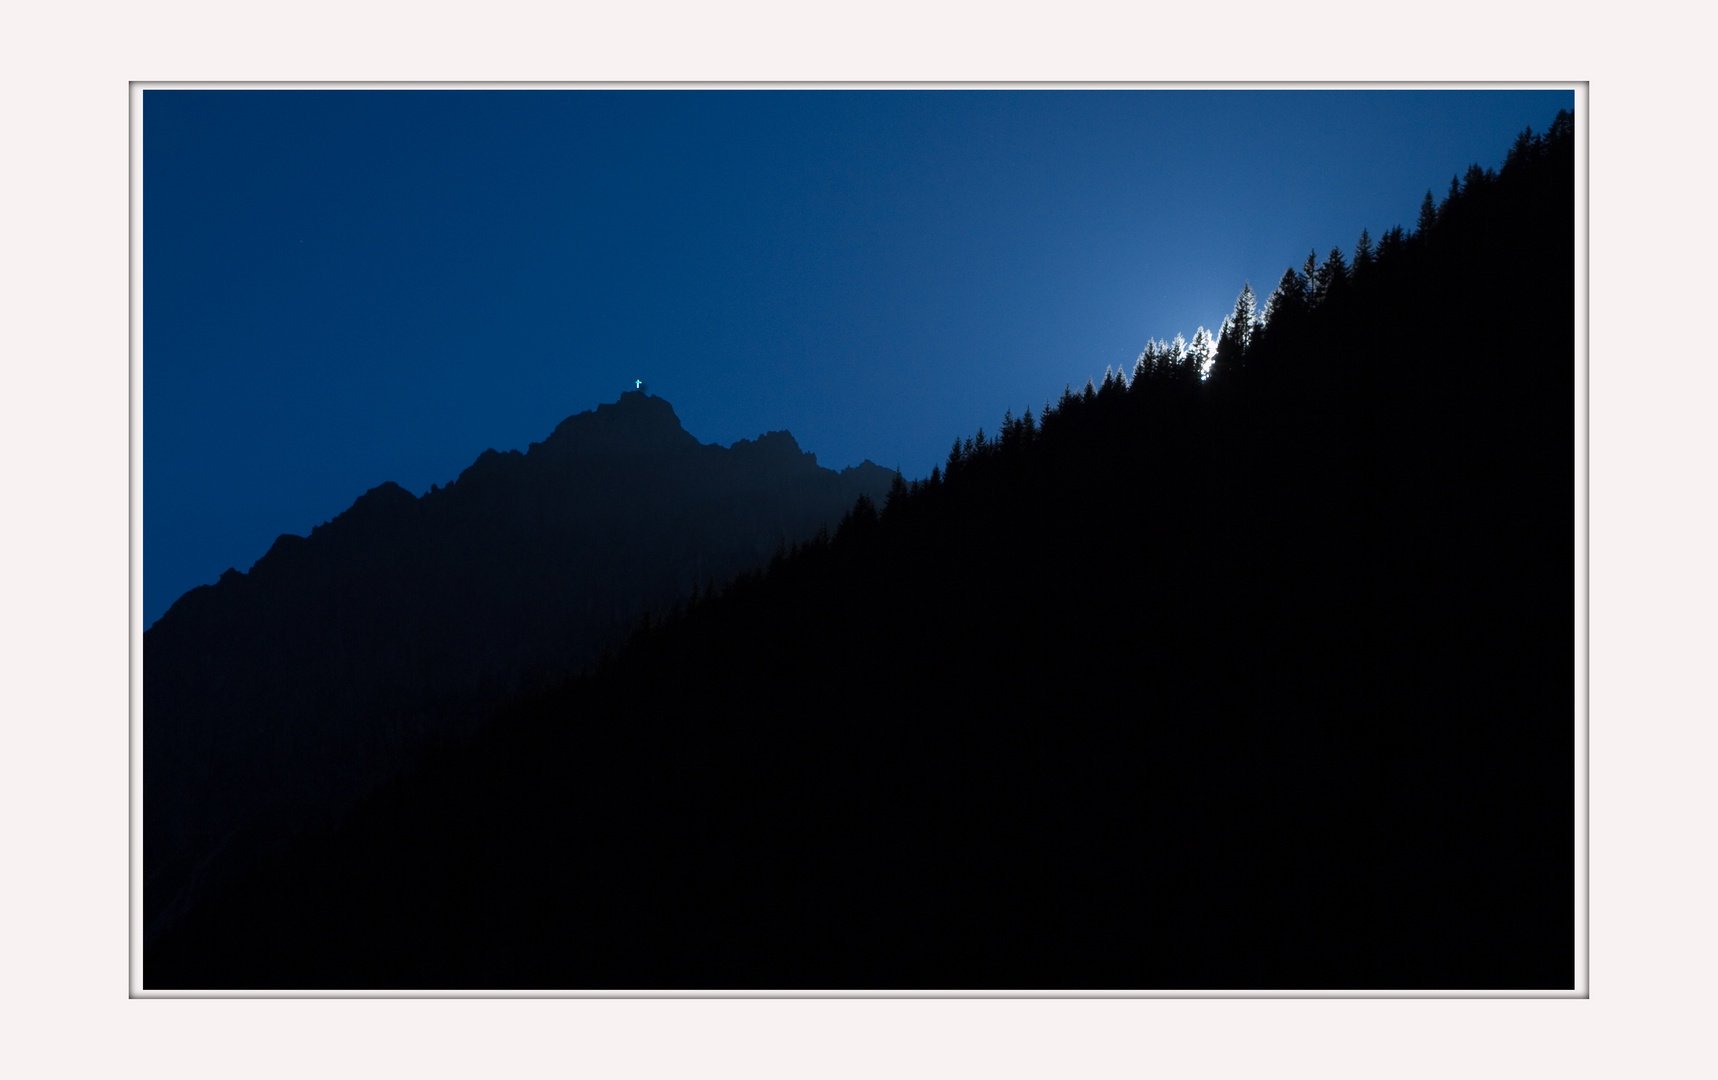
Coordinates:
x,y
1250,668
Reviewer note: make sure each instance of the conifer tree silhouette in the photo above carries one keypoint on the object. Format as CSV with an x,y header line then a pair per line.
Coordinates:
x,y
1474,181
1525,150
1287,304
1235,335
1362,254
1562,130
1332,278
1175,357
1200,352
1391,243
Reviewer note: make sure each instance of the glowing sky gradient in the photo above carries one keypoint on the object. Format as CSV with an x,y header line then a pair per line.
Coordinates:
x,y
347,287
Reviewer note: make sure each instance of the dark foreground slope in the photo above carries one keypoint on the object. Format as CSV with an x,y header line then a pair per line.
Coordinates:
x,y
274,699
1265,681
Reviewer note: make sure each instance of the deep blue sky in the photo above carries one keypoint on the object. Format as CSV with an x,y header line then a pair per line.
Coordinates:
x,y
347,287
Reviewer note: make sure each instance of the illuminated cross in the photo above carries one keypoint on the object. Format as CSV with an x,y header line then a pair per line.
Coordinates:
x,y
638,384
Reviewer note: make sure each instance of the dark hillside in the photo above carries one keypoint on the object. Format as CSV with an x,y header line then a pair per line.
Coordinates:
x,y
274,699
1261,681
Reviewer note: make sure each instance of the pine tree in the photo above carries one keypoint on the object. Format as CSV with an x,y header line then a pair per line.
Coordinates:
x,y
1287,303
897,496
1238,327
1200,352
1152,358
1362,254
1451,204
1474,180
1176,355
1332,277
1428,215
1563,127
1524,152
1391,243
1113,387
1227,357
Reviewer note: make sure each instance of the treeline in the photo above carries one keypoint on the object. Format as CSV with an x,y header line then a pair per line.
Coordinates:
x,y
1252,669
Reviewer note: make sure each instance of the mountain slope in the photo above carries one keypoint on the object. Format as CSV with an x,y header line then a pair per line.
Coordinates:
x,y
1260,682
274,698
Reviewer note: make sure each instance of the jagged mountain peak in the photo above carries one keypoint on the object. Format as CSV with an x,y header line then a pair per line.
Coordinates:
x,y
775,450
636,424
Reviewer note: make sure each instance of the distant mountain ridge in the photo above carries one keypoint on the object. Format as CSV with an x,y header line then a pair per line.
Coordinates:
x,y
277,697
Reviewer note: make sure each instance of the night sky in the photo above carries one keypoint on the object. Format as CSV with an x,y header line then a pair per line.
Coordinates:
x,y
347,287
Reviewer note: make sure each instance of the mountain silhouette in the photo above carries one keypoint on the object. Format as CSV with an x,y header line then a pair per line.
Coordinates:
x,y
1261,680
275,698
